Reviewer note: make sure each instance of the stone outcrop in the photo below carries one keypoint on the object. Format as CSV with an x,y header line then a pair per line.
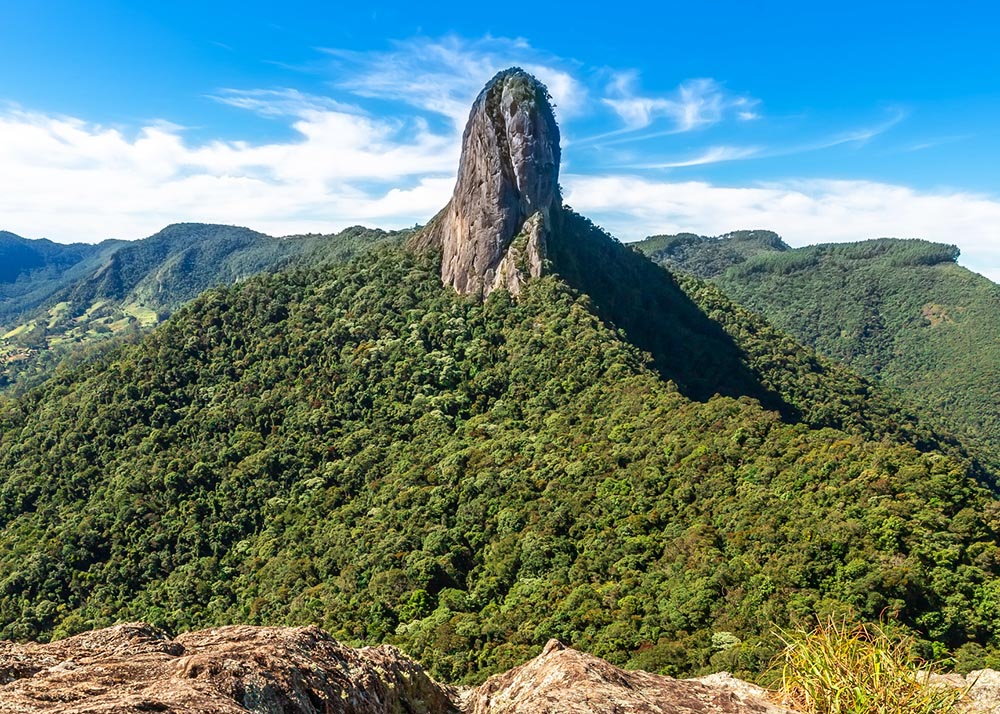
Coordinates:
x,y
493,232
564,681
135,668
981,687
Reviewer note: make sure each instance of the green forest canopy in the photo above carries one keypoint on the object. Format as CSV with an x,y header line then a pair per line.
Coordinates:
x,y
358,447
900,311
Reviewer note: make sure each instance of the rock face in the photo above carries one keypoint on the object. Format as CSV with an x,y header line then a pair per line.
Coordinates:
x,y
564,681
506,203
135,668
981,687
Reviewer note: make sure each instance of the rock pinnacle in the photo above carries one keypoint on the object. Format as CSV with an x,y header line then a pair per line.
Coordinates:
x,y
492,234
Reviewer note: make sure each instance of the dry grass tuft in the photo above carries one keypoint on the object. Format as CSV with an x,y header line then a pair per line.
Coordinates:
x,y
843,668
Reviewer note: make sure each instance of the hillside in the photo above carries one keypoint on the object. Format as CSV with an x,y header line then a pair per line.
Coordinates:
x,y
31,271
63,310
360,448
595,451
901,311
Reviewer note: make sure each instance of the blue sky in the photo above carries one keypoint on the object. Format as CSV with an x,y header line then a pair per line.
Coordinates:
x,y
824,122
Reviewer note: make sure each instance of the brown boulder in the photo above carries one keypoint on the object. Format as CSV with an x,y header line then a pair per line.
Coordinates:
x,y
564,681
134,668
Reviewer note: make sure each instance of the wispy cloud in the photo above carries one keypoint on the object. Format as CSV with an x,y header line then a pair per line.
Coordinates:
x,y
280,102
443,76
934,143
72,180
694,104
711,155
855,136
718,154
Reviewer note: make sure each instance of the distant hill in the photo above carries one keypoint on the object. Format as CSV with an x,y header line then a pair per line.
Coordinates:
x,y
31,271
20,257
65,301
901,311
707,257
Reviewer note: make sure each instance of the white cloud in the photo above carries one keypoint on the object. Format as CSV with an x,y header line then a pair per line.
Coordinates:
x,y
695,104
70,180
711,155
718,154
856,136
275,103
803,212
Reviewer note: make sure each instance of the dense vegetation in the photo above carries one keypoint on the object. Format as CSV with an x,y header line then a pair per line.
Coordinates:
x,y
358,447
708,257
68,303
901,311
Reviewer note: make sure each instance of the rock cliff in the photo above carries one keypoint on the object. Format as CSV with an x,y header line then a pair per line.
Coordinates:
x,y
135,668
506,202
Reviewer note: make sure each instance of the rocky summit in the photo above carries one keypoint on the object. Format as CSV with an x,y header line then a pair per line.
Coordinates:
x,y
506,202
135,668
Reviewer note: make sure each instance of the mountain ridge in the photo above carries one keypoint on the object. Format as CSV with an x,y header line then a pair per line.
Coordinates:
x,y
123,288
899,311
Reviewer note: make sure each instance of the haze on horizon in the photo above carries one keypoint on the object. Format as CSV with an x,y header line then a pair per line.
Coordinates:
x,y
820,125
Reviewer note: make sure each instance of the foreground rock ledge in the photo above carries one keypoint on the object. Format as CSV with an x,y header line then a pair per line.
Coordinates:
x,y
137,668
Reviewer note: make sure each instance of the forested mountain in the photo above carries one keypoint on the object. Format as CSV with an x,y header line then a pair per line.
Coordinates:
x,y
361,448
162,272
615,457
708,257
31,271
77,297
901,311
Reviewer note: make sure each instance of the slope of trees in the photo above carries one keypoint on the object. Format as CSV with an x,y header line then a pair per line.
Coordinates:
x,y
358,447
31,271
82,299
901,311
